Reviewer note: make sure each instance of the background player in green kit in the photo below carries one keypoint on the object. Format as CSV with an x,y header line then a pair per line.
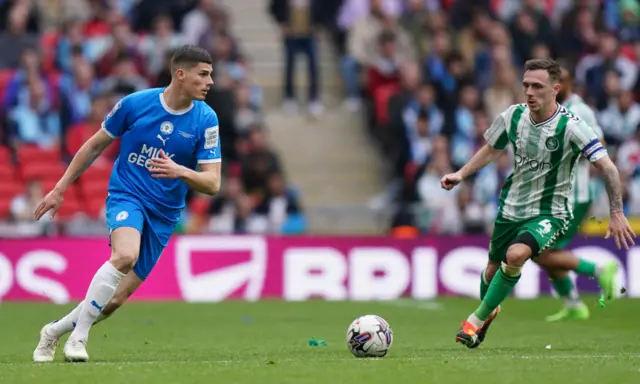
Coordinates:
x,y
558,260
534,207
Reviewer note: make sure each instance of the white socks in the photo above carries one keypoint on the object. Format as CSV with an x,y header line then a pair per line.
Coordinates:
x,y
573,300
477,322
67,323
100,292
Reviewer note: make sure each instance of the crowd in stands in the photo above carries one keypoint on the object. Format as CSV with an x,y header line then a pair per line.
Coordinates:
x,y
65,64
430,76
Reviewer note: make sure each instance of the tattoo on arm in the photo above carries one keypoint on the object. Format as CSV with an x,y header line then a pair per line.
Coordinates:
x,y
611,180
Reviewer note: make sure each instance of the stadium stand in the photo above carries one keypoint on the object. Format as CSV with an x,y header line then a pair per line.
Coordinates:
x,y
426,76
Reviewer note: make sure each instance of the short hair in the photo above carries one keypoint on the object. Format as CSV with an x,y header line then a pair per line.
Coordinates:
x,y
552,68
189,55
386,37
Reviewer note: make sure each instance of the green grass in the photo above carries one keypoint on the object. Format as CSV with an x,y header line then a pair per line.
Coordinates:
x,y
266,342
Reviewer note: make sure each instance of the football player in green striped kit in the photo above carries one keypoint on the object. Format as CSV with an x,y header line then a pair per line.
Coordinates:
x,y
534,211
557,260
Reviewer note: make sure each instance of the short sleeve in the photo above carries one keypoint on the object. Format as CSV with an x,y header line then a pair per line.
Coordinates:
x,y
117,121
209,140
586,140
586,114
497,134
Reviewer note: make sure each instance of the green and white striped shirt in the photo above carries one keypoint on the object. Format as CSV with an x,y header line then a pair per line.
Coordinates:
x,y
545,155
581,181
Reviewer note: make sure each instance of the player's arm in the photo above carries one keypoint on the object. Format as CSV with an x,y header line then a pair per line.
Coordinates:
x,y
88,153
209,157
207,180
481,159
113,126
611,179
497,140
587,141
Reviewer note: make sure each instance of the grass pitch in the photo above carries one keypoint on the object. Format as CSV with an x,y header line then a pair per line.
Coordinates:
x,y
266,342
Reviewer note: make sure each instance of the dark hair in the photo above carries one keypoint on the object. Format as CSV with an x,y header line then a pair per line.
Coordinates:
x,y
552,68
189,55
386,37
423,115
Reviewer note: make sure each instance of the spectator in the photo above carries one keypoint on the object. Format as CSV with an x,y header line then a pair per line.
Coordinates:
x,y
23,206
442,209
298,21
259,163
77,90
16,37
363,45
34,120
621,118
279,211
124,78
155,46
197,22
591,69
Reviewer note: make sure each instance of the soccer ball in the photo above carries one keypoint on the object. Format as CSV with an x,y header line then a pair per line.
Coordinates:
x,y
369,336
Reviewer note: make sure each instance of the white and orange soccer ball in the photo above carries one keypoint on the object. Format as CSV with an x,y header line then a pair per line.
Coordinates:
x,y
369,336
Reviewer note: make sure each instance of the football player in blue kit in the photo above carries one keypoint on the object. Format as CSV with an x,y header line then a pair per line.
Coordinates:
x,y
166,134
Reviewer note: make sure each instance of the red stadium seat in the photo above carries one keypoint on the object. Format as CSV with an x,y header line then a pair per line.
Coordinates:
x,y
5,155
10,188
95,187
48,184
97,172
93,208
34,154
44,171
7,171
72,204
5,206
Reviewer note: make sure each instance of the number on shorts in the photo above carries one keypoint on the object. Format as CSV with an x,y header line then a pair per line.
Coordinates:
x,y
546,226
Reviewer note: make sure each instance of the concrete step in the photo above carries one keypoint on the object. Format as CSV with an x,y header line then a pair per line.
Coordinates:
x,y
330,159
355,219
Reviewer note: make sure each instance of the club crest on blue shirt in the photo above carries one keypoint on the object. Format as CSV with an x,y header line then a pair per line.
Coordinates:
x,y
166,128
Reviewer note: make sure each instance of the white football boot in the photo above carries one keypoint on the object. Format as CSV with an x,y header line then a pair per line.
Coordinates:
x,y
46,349
75,351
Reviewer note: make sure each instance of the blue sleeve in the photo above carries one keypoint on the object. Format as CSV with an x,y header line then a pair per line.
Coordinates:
x,y
117,121
209,140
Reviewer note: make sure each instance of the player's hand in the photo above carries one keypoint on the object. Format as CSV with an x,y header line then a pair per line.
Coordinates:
x,y
163,167
451,180
51,202
621,231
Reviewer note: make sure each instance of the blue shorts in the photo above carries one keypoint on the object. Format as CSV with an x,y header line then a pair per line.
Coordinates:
x,y
126,211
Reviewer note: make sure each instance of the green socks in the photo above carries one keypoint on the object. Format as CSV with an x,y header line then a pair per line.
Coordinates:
x,y
483,286
563,286
585,268
499,289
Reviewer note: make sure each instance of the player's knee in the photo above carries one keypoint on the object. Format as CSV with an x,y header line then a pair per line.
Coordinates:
x,y
124,259
517,255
